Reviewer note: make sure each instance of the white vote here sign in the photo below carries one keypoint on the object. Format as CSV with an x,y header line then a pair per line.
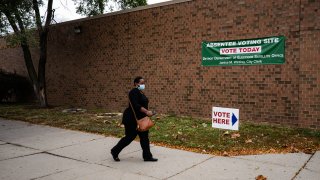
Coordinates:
x,y
225,118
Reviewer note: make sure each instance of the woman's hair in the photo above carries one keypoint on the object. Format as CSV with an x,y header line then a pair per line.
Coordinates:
x,y
137,79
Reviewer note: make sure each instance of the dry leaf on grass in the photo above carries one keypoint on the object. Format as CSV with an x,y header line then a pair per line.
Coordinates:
x,y
235,135
293,149
284,145
225,153
308,151
272,150
249,141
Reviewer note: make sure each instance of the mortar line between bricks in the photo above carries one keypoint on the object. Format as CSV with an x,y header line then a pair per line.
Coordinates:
x,y
305,164
189,168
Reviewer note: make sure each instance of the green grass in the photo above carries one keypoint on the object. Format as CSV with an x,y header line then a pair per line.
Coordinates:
x,y
178,132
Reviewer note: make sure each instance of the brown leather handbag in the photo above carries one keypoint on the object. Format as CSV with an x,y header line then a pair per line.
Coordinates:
x,y
143,124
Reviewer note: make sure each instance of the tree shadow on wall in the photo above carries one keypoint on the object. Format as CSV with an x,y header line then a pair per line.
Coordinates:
x,y
15,88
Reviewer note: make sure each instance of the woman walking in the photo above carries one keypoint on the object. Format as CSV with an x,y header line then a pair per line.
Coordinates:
x,y
139,104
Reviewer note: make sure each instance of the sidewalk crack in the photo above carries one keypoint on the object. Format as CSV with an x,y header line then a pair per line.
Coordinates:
x,y
65,157
75,144
50,174
19,145
21,156
189,168
297,173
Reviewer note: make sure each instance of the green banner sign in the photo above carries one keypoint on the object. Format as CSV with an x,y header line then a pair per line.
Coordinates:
x,y
268,50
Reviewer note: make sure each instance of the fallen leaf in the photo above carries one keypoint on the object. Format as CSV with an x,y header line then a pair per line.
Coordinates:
x,y
225,153
308,151
272,150
248,141
284,145
293,149
261,177
204,125
226,133
235,135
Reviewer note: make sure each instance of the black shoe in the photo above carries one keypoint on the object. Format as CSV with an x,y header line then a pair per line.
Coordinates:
x,y
151,159
115,157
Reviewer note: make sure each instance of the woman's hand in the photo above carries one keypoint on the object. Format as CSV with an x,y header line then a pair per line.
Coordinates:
x,y
149,113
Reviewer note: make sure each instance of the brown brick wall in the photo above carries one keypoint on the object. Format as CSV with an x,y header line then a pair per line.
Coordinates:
x,y
309,72
11,59
163,44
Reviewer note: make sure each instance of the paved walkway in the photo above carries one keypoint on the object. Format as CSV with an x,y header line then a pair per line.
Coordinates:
x,y
40,152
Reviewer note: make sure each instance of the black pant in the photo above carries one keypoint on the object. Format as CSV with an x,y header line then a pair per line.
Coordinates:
x,y
131,133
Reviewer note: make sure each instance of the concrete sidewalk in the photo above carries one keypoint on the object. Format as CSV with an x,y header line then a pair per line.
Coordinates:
x,y
40,152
